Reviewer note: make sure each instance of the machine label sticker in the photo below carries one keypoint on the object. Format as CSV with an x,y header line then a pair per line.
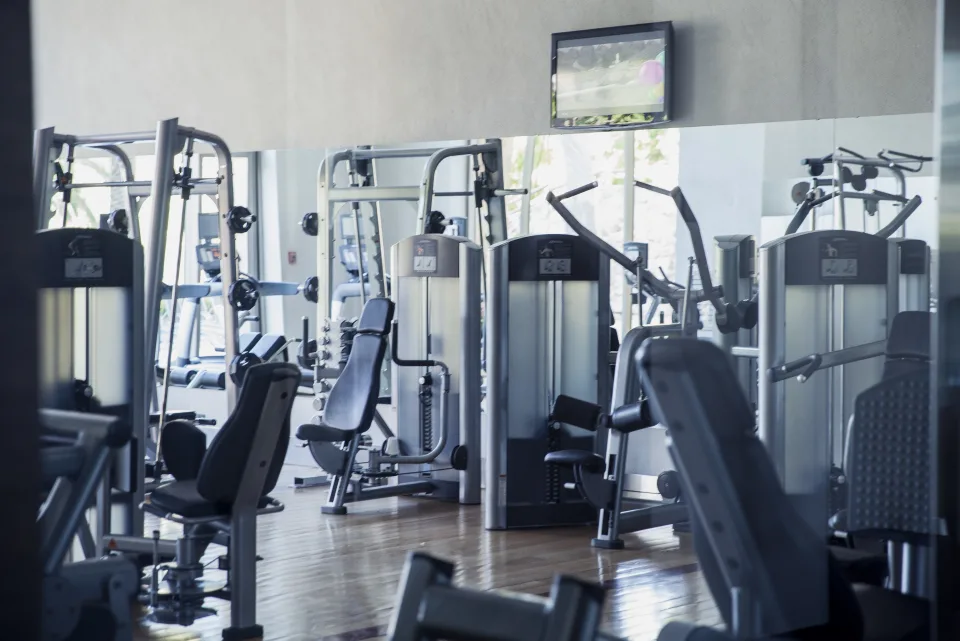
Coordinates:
x,y
425,256
83,258
83,268
555,257
839,258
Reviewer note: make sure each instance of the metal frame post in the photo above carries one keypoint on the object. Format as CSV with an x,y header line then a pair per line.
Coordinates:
x,y
626,309
166,143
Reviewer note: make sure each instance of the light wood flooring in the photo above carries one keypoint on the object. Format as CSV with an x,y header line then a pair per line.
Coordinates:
x,y
334,578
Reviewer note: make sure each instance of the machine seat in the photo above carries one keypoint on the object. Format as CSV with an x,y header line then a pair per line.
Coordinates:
x,y
324,433
183,498
353,400
589,461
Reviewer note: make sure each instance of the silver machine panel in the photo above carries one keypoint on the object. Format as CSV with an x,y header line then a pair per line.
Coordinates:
x,y
92,349
436,288
547,333
827,299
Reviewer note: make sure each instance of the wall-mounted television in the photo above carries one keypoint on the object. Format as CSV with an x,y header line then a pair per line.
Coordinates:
x,y
614,78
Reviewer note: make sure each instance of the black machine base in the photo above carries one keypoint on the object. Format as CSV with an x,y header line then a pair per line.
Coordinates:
x,y
243,634
607,544
333,509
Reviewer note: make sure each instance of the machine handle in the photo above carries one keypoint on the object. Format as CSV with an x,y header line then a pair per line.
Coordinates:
x,y
905,212
803,209
402,362
576,191
808,366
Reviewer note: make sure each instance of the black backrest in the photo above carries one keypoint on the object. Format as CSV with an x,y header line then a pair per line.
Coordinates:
x,y
269,388
908,344
353,399
888,458
747,532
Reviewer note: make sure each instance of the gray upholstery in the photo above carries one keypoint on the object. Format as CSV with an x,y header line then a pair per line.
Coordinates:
x,y
908,344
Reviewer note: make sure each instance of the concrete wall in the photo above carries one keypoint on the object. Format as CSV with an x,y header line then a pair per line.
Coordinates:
x,y
306,74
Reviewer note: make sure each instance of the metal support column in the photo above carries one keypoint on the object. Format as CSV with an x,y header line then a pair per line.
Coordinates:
x,y
626,304
166,148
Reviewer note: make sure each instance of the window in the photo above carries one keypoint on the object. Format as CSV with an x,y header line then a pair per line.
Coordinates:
x,y
562,162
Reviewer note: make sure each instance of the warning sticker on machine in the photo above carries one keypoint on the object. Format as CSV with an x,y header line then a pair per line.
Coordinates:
x,y
425,256
555,257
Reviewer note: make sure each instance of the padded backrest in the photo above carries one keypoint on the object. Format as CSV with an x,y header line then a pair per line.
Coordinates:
x,y
745,527
908,344
376,317
888,459
229,457
353,399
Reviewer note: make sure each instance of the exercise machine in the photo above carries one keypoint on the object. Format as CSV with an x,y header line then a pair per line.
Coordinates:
x,y
548,333
435,319
364,194
768,568
91,598
603,480
429,606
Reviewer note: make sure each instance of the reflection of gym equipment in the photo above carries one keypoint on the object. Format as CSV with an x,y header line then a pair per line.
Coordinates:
x,y
364,194
809,196
218,492
189,369
436,451
603,481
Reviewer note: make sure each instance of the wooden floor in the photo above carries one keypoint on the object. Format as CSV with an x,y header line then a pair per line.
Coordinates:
x,y
334,578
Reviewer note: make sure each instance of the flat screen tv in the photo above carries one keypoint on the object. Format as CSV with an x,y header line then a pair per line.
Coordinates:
x,y
614,78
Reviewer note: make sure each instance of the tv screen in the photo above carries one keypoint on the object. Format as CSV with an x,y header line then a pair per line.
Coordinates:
x,y
612,78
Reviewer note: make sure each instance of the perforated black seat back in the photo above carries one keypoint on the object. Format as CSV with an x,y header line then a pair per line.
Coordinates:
x,y
353,399
226,460
695,394
888,459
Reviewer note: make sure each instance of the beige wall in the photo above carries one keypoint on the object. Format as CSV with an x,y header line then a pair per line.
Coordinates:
x,y
310,73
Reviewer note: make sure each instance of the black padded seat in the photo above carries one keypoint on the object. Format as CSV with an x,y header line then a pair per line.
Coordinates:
x,y
353,400
183,498
314,432
208,486
589,461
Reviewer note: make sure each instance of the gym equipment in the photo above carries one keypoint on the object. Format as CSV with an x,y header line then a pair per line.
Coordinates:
x,y
169,139
92,354
851,283
437,445
488,194
220,489
429,606
767,568
547,333
91,598
894,162
603,481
